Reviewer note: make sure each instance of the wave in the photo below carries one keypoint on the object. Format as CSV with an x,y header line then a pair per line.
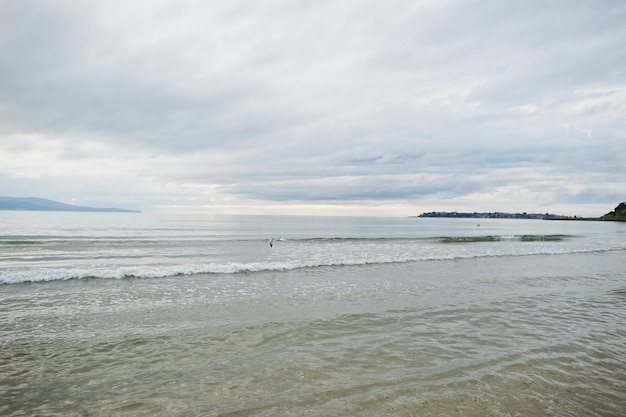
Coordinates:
x,y
161,271
442,239
8,241
498,238
152,271
144,271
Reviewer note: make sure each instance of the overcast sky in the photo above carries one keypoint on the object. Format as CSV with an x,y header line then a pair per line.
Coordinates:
x,y
362,107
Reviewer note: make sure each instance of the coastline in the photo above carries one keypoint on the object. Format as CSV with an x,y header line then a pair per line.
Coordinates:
x,y
617,215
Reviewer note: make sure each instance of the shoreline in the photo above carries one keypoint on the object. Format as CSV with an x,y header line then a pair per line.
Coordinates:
x,y
617,215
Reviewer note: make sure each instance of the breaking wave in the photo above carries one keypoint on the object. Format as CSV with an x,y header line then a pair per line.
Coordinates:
x,y
344,260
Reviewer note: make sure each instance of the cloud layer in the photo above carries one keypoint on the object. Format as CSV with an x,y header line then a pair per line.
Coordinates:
x,y
331,106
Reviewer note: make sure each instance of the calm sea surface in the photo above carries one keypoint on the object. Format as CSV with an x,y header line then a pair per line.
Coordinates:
x,y
108,314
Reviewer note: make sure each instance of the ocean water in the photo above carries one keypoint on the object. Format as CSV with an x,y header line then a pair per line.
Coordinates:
x,y
111,314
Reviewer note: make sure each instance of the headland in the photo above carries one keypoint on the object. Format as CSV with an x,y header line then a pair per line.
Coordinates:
x,y
619,214
42,204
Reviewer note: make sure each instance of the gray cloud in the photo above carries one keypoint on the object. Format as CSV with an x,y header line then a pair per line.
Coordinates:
x,y
328,101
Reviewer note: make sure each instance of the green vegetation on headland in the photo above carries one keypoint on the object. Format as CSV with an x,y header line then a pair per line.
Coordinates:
x,y
41,204
619,215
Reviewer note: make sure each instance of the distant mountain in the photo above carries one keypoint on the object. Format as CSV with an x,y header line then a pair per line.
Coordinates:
x,y
41,204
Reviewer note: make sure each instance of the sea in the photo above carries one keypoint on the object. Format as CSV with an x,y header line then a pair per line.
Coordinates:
x,y
152,314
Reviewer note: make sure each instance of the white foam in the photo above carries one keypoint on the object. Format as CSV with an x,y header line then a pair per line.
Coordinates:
x,y
309,254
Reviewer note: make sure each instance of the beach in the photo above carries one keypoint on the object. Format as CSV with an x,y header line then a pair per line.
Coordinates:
x,y
346,317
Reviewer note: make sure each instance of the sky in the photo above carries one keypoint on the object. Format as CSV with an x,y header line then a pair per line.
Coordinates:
x,y
342,107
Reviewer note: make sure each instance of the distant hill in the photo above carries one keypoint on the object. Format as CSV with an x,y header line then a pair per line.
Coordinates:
x,y
498,215
618,215
41,204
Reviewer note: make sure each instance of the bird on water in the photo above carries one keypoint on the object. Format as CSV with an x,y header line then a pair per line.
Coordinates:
x,y
275,239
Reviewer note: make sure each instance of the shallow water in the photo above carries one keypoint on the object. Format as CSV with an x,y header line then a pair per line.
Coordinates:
x,y
478,328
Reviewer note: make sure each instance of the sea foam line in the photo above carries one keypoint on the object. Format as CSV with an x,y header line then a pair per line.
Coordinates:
x,y
146,271
15,276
